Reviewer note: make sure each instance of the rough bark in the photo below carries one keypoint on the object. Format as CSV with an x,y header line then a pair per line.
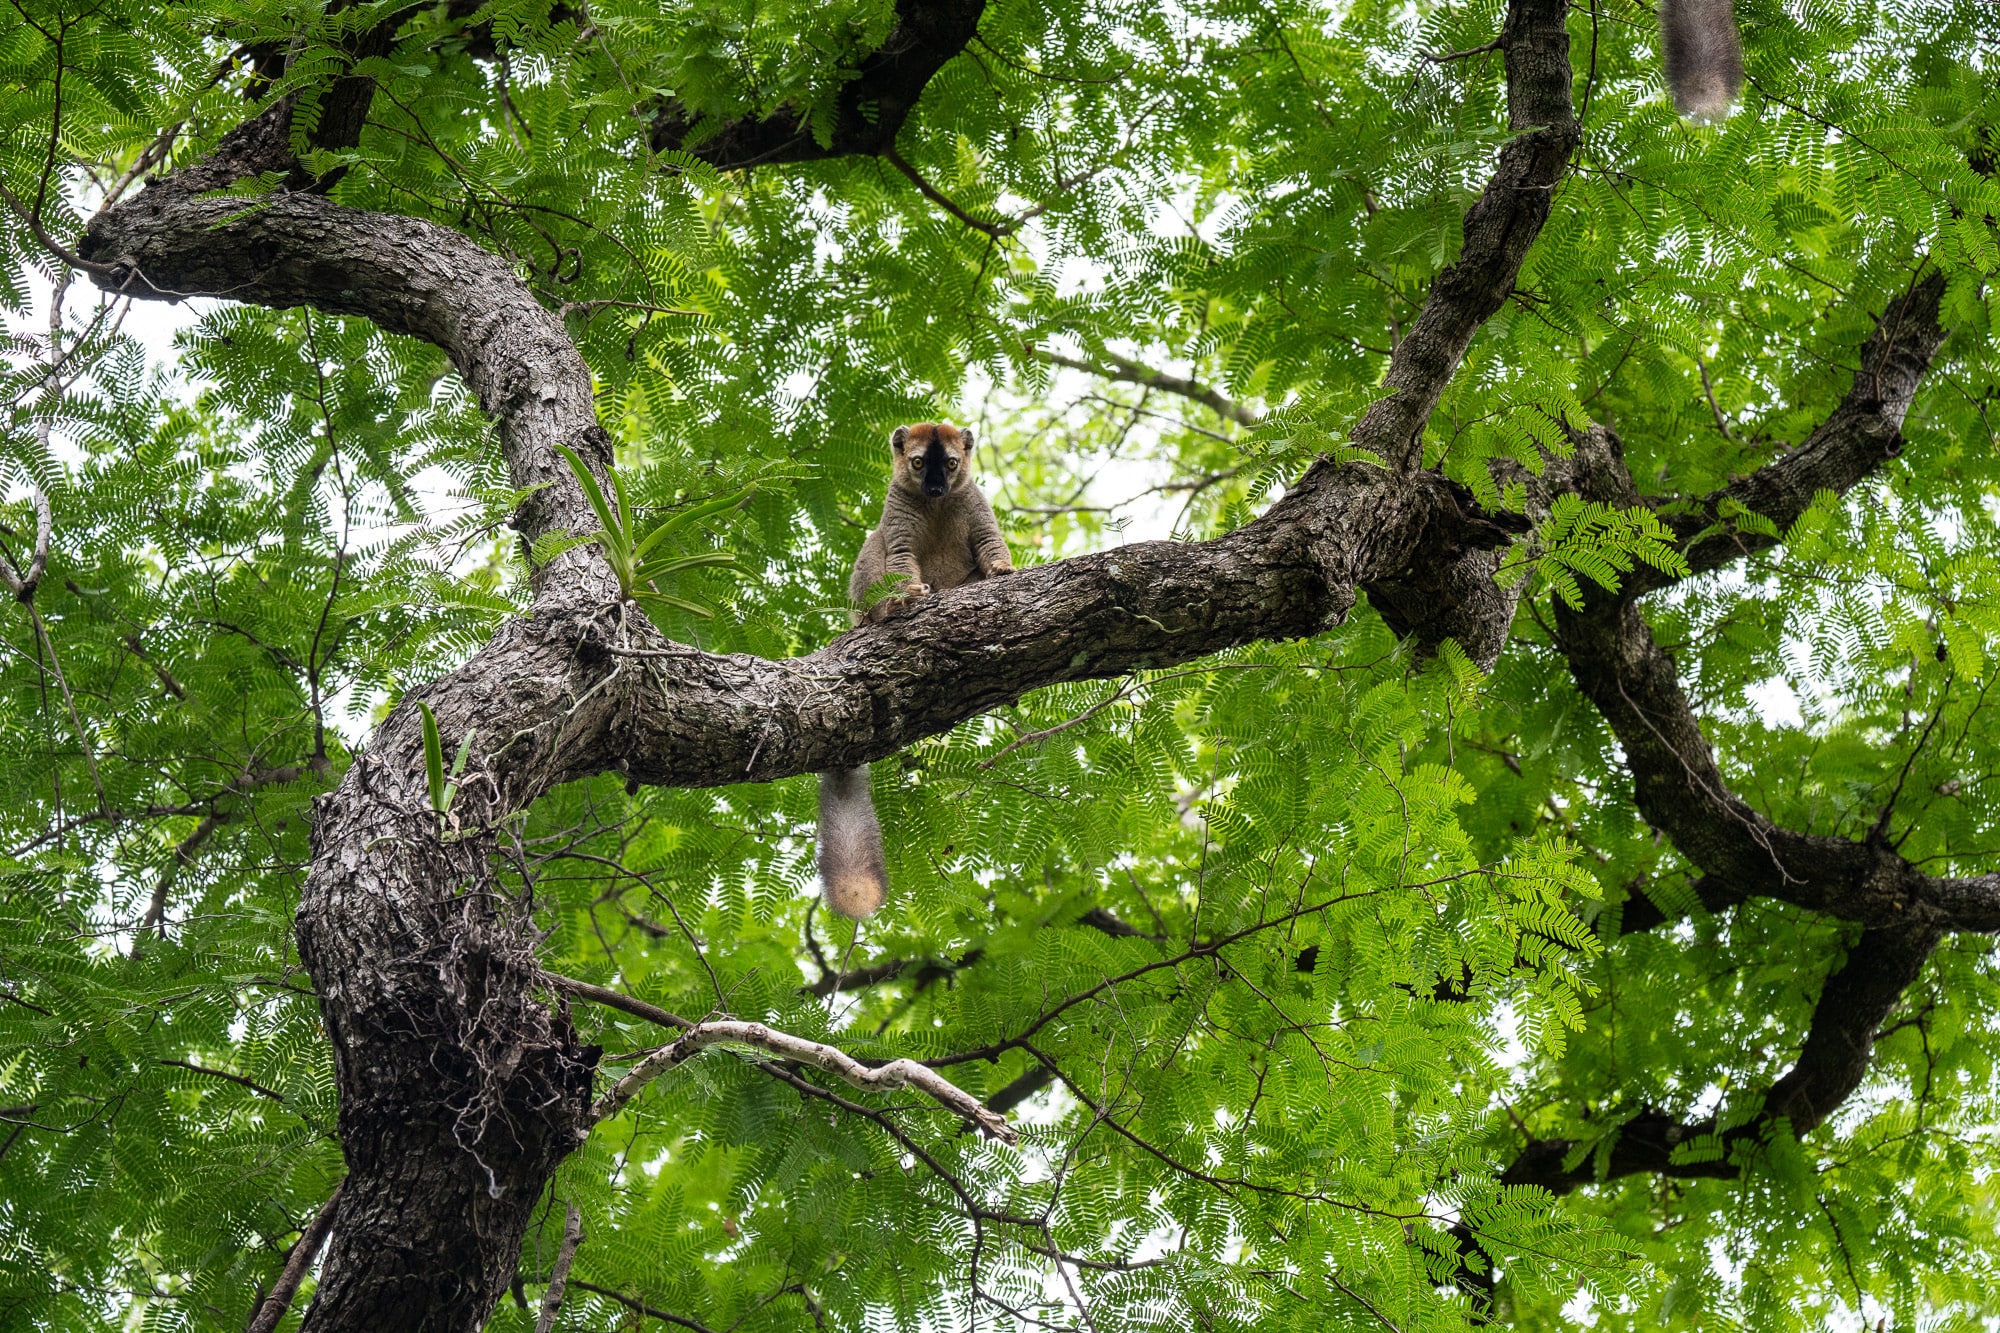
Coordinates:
x,y
461,1091
1499,228
1679,788
1862,433
1456,598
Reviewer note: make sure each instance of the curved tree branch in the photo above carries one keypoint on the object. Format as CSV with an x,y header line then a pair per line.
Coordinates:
x,y
460,1092
1858,436
1679,788
1457,598
1125,370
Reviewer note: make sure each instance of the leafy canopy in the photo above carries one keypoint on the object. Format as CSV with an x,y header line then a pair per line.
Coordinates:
x,y
1393,890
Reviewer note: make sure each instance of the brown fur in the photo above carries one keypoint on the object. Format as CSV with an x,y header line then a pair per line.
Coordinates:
x,y
935,542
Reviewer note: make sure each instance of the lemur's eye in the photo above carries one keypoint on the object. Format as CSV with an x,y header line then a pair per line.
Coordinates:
x,y
951,463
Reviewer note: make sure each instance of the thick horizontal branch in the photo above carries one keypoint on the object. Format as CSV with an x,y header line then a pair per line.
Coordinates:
x,y
868,112
425,969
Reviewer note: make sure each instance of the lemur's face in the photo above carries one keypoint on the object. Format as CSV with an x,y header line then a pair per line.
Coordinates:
x,y
932,458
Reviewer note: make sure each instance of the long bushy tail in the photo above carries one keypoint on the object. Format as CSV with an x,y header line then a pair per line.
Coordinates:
x,y
1703,54
850,844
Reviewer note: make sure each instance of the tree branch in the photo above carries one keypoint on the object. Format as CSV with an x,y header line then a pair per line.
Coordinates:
x,y
869,110
1857,996
297,1263
758,1037
1677,783
460,1090
1858,436
552,1297
638,1306
1125,370
1499,228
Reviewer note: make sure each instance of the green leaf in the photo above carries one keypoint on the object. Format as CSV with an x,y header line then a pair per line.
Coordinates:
x,y
434,760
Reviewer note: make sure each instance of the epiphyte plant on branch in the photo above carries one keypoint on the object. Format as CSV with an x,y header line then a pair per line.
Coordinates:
x,y
635,562
444,783
1312,921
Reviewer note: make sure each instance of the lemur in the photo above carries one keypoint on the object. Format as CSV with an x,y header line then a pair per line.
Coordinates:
x,y
937,532
1703,55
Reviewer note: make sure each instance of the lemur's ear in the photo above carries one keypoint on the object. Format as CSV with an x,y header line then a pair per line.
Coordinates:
x,y
900,438
966,438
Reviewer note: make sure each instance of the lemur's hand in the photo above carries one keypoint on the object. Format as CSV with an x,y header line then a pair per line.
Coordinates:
x,y
896,605
995,570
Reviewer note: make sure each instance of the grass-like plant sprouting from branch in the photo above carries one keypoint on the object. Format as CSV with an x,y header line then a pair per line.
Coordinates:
x,y
638,561
443,786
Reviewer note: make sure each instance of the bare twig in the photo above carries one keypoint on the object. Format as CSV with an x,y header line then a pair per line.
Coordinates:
x,y
1125,370
1450,56
296,1263
997,230
592,307
552,1298
1721,422
638,1306
612,999
56,250
697,1037
22,583
1122,692
895,1074
224,1074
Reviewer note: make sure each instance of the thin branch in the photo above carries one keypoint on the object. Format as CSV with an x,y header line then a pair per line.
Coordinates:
x,y
23,583
1446,59
640,1307
784,1046
1364,1303
1125,370
1708,389
552,1298
997,230
696,1037
619,1000
111,273
224,1074
296,1263
1034,737
592,307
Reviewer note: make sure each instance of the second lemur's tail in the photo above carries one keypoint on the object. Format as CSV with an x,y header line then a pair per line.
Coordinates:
x,y
850,844
1703,55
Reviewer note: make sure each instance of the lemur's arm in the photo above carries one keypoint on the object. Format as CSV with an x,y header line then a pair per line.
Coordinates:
x,y
902,523
989,547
